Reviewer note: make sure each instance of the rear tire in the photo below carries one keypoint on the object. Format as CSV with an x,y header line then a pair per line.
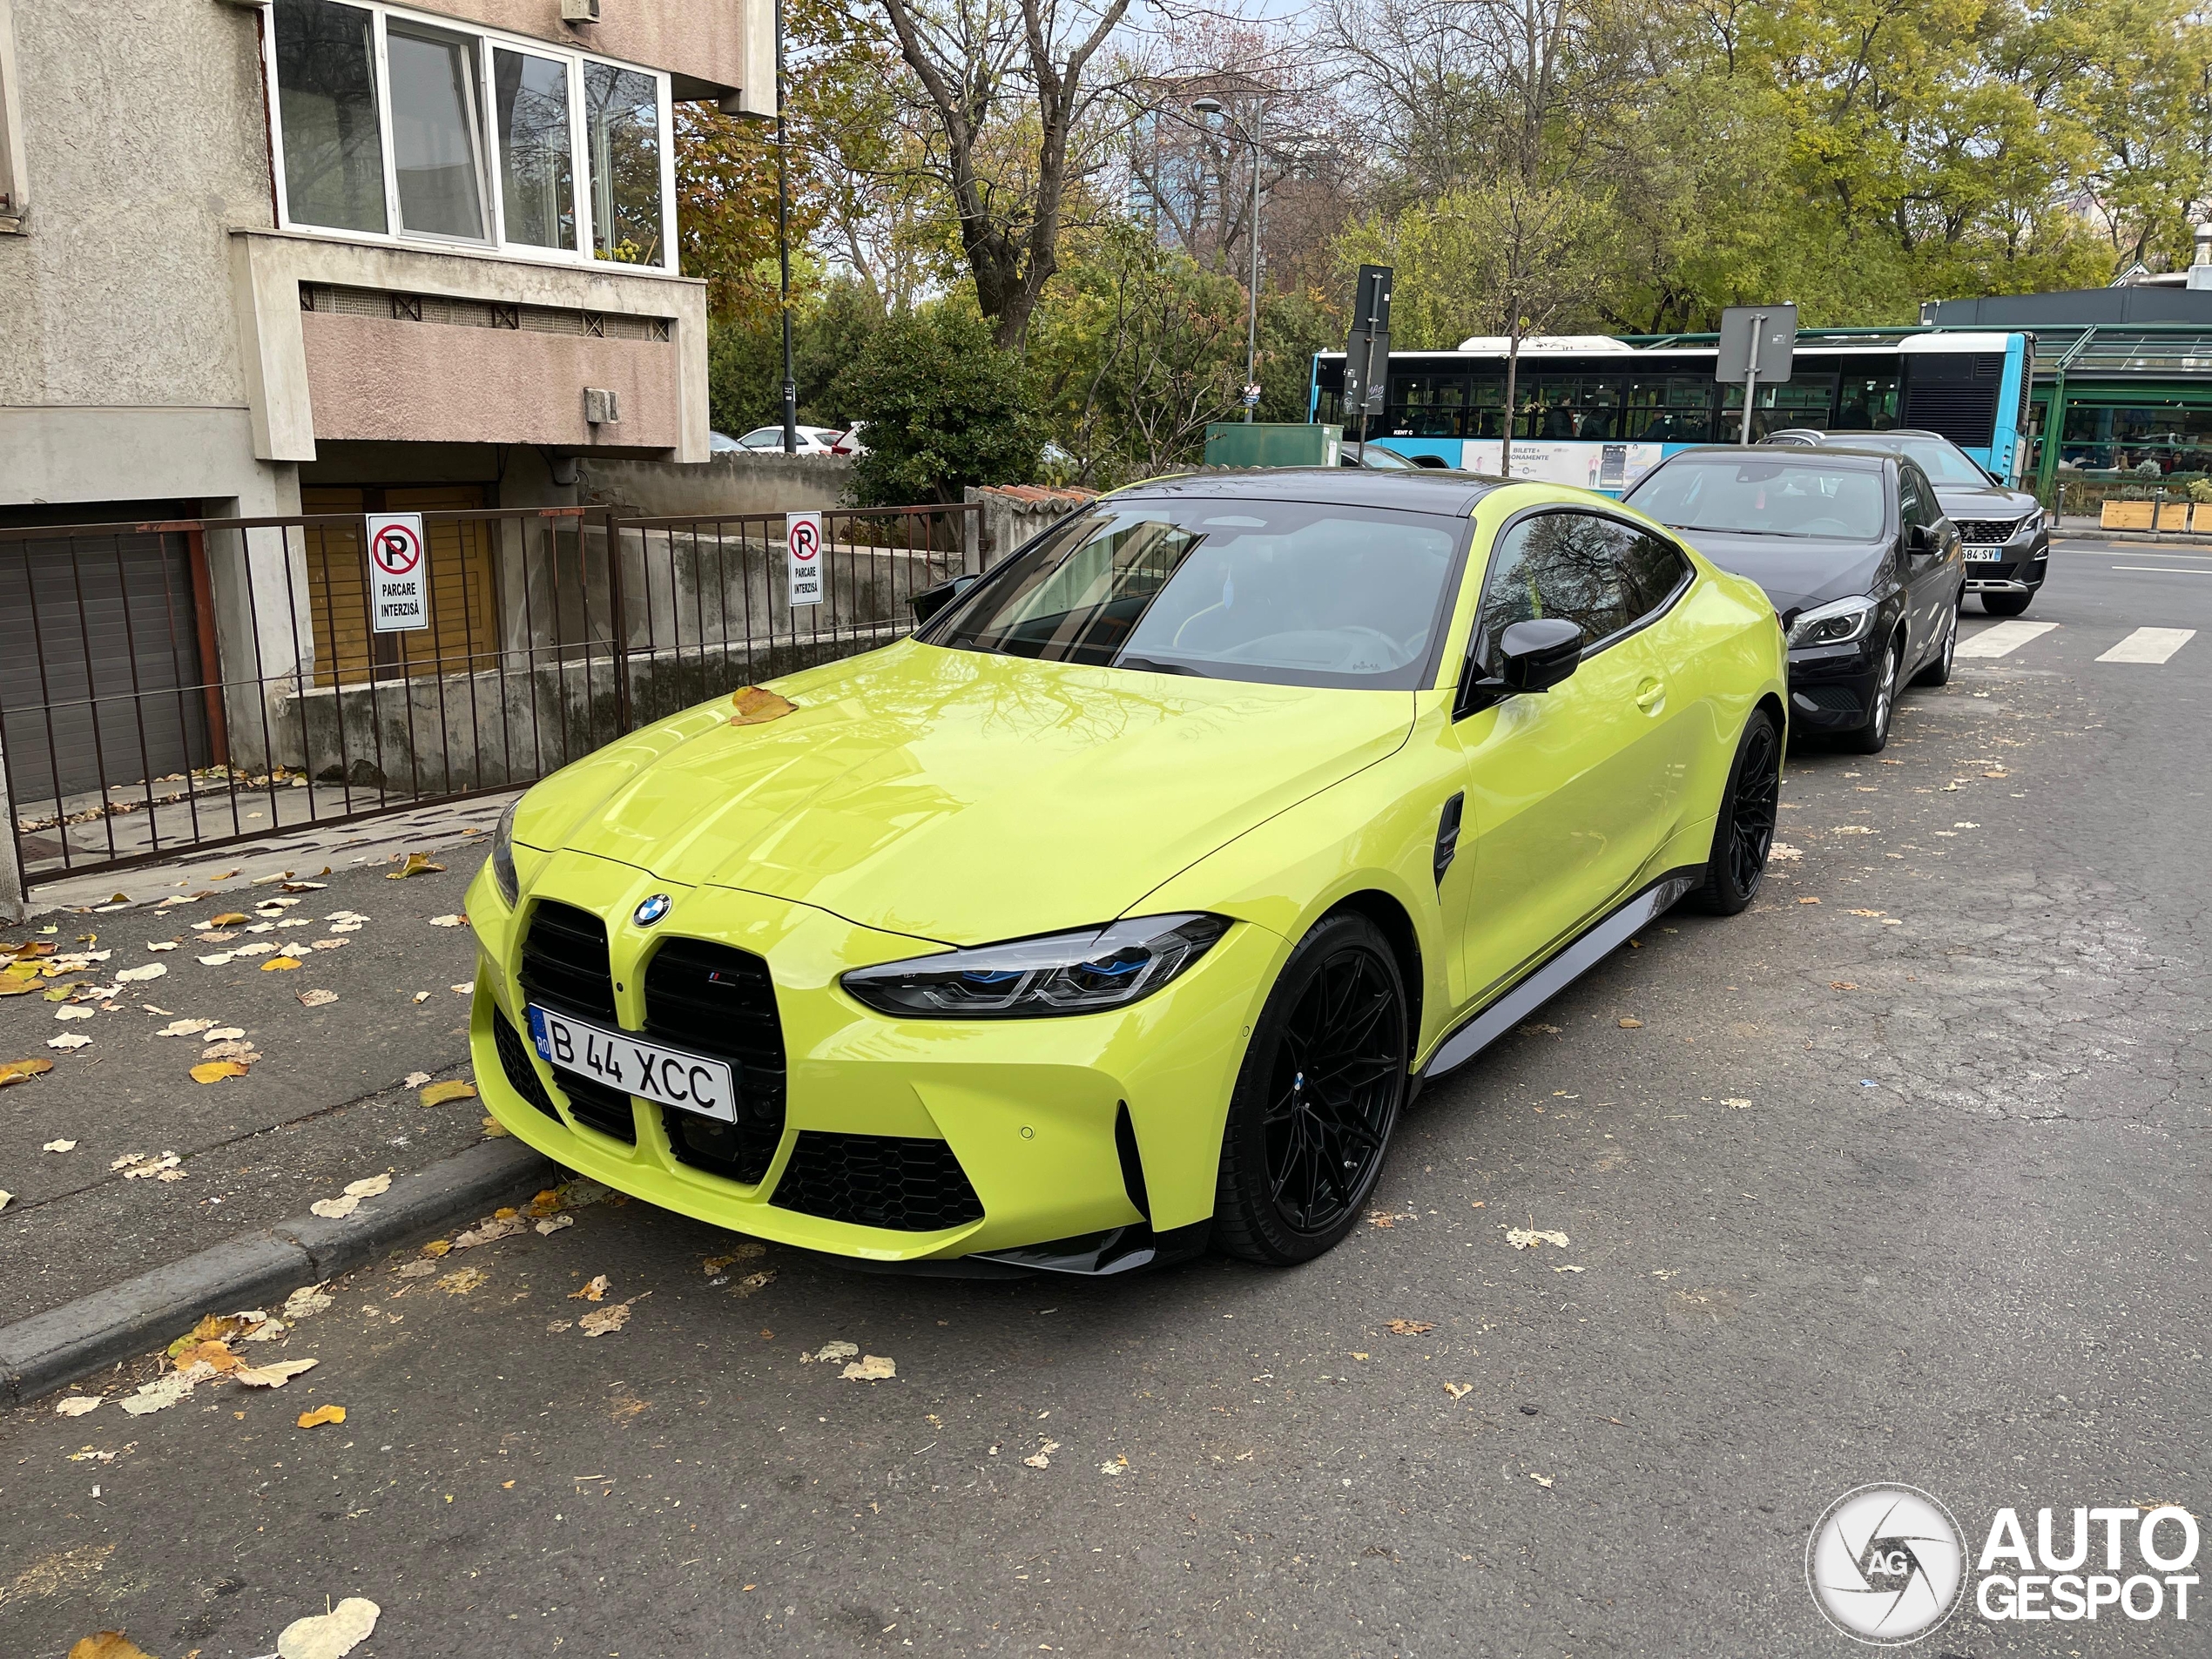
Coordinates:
x,y
2005,604
1939,672
1743,831
1872,737
1317,1098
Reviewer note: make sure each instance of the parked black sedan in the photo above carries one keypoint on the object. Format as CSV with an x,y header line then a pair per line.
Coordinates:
x,y
1863,568
2008,545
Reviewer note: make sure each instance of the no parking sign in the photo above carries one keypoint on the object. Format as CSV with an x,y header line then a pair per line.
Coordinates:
x,y
399,573
802,553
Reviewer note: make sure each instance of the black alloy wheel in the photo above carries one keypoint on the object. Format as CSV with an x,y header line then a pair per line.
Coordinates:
x,y
1317,1099
1872,737
1743,835
1939,672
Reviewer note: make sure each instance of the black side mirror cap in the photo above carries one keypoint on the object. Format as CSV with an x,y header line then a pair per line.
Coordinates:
x,y
1533,656
1919,538
930,601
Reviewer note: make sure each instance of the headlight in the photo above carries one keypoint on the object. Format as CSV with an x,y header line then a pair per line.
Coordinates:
x,y
1076,973
502,853
1834,623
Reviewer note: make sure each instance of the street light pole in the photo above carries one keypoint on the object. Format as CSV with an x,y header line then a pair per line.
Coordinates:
x,y
1214,107
783,240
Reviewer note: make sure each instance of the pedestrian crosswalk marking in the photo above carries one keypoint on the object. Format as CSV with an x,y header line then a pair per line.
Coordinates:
x,y
2148,645
2003,639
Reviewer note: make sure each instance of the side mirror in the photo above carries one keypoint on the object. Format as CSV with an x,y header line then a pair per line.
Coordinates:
x,y
930,601
1920,539
1536,656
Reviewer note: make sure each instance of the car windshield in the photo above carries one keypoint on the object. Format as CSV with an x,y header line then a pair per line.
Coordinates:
x,y
1942,460
1290,592
1802,494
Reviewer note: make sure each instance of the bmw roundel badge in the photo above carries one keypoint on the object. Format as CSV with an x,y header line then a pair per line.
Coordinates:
x,y
652,910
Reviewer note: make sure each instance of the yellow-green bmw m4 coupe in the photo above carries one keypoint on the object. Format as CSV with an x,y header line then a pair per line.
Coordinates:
x,y
1125,904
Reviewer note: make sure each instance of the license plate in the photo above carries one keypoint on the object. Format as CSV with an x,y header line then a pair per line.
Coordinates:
x,y
1985,555
689,1083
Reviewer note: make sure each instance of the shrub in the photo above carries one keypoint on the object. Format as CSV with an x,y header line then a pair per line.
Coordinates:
x,y
943,408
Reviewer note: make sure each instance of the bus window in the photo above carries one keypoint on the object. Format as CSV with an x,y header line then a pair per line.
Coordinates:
x,y
1866,403
1804,401
1677,409
1426,405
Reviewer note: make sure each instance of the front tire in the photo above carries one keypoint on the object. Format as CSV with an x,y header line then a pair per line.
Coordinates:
x,y
1872,737
2005,604
1317,1099
1744,832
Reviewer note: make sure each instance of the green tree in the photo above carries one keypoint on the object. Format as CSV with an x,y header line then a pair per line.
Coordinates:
x,y
943,406
745,369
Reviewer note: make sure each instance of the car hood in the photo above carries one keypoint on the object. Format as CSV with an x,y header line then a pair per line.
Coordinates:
x,y
1983,500
1797,572
961,796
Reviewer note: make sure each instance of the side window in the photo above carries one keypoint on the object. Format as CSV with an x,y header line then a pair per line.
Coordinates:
x,y
1656,568
1930,508
1911,501
1565,564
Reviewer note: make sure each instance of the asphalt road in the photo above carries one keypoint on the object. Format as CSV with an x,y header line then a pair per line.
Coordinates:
x,y
1955,1238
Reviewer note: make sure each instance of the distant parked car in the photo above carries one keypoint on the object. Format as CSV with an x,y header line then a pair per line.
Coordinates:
x,y
813,439
2008,545
848,442
1373,457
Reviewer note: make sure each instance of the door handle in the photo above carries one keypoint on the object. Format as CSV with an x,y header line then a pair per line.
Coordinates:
x,y
1650,695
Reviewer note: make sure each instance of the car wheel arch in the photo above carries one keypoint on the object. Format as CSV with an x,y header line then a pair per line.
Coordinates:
x,y
1392,921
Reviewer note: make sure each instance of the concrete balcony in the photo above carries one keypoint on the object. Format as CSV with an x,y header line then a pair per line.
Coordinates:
x,y
352,341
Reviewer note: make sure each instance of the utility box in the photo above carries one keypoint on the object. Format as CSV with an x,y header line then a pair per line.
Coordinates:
x,y
1267,443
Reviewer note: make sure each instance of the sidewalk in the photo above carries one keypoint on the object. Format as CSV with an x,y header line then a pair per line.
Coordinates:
x,y
325,1104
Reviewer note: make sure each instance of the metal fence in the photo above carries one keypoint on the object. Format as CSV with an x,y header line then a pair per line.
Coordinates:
x,y
187,684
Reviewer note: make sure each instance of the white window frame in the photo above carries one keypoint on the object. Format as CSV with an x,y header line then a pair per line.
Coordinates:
x,y
15,172
487,41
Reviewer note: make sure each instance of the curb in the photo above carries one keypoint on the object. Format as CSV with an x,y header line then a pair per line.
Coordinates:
x,y
47,1349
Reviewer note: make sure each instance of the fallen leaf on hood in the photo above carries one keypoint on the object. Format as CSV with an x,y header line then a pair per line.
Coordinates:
x,y
756,707
108,1644
1458,1390
183,1028
461,1281
69,1041
273,1375
872,1367
602,1321
455,921
416,1079
22,1071
1410,1327
75,1405
453,1089
59,1146
152,970
279,964
1529,1237
596,1290
332,1634
213,1071
1042,1458
322,1415
333,1209
308,1298
417,863
317,999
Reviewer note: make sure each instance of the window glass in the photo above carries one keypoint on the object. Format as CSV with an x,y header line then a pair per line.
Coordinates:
x,y
1939,458
622,114
436,142
535,177
1655,569
1798,492
1573,565
1293,593
333,154
1908,497
1804,400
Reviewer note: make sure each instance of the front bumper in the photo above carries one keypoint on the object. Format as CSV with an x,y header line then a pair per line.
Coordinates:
x,y
2020,567
1028,1110
1832,688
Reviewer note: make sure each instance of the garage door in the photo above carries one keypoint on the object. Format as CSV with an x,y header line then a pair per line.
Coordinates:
x,y
99,663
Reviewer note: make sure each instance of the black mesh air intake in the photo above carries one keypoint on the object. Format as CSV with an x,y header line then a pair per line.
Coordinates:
x,y
1986,531
1832,699
515,1060
878,1181
714,1000
564,967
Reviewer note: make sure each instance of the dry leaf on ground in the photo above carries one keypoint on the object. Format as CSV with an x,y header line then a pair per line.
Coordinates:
x,y
455,920
1631,1025
72,1041
461,1281
322,1415
1410,1327
332,1634
317,999
20,1071
183,1028
107,1644
418,1269
75,1012
213,1071
335,1208
162,1392
416,1079
1042,1458
75,1405
600,1322
274,1375
494,1128
421,996
59,1146
453,1088
830,1351
1544,1480
279,964
1737,1101
229,919
226,1033
139,1165
308,1298
417,863
872,1367
1458,1390
754,1282
370,1186
152,970
497,1228
554,1224
596,1290
1529,1237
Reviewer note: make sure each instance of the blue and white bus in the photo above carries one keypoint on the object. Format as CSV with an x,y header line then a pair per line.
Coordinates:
x,y
1601,412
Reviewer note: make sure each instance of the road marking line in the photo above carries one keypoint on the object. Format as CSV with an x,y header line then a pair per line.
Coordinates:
x,y
2004,639
2149,645
2161,570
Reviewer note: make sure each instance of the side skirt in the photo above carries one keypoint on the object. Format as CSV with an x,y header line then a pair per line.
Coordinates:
x,y
1482,1029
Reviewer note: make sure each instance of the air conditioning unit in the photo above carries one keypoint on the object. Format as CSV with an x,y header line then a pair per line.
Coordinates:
x,y
601,406
579,10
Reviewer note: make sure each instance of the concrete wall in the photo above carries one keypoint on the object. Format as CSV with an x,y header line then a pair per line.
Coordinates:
x,y
728,483
727,45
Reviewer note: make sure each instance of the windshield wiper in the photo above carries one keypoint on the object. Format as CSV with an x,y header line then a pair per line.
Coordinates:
x,y
1148,666
1729,529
